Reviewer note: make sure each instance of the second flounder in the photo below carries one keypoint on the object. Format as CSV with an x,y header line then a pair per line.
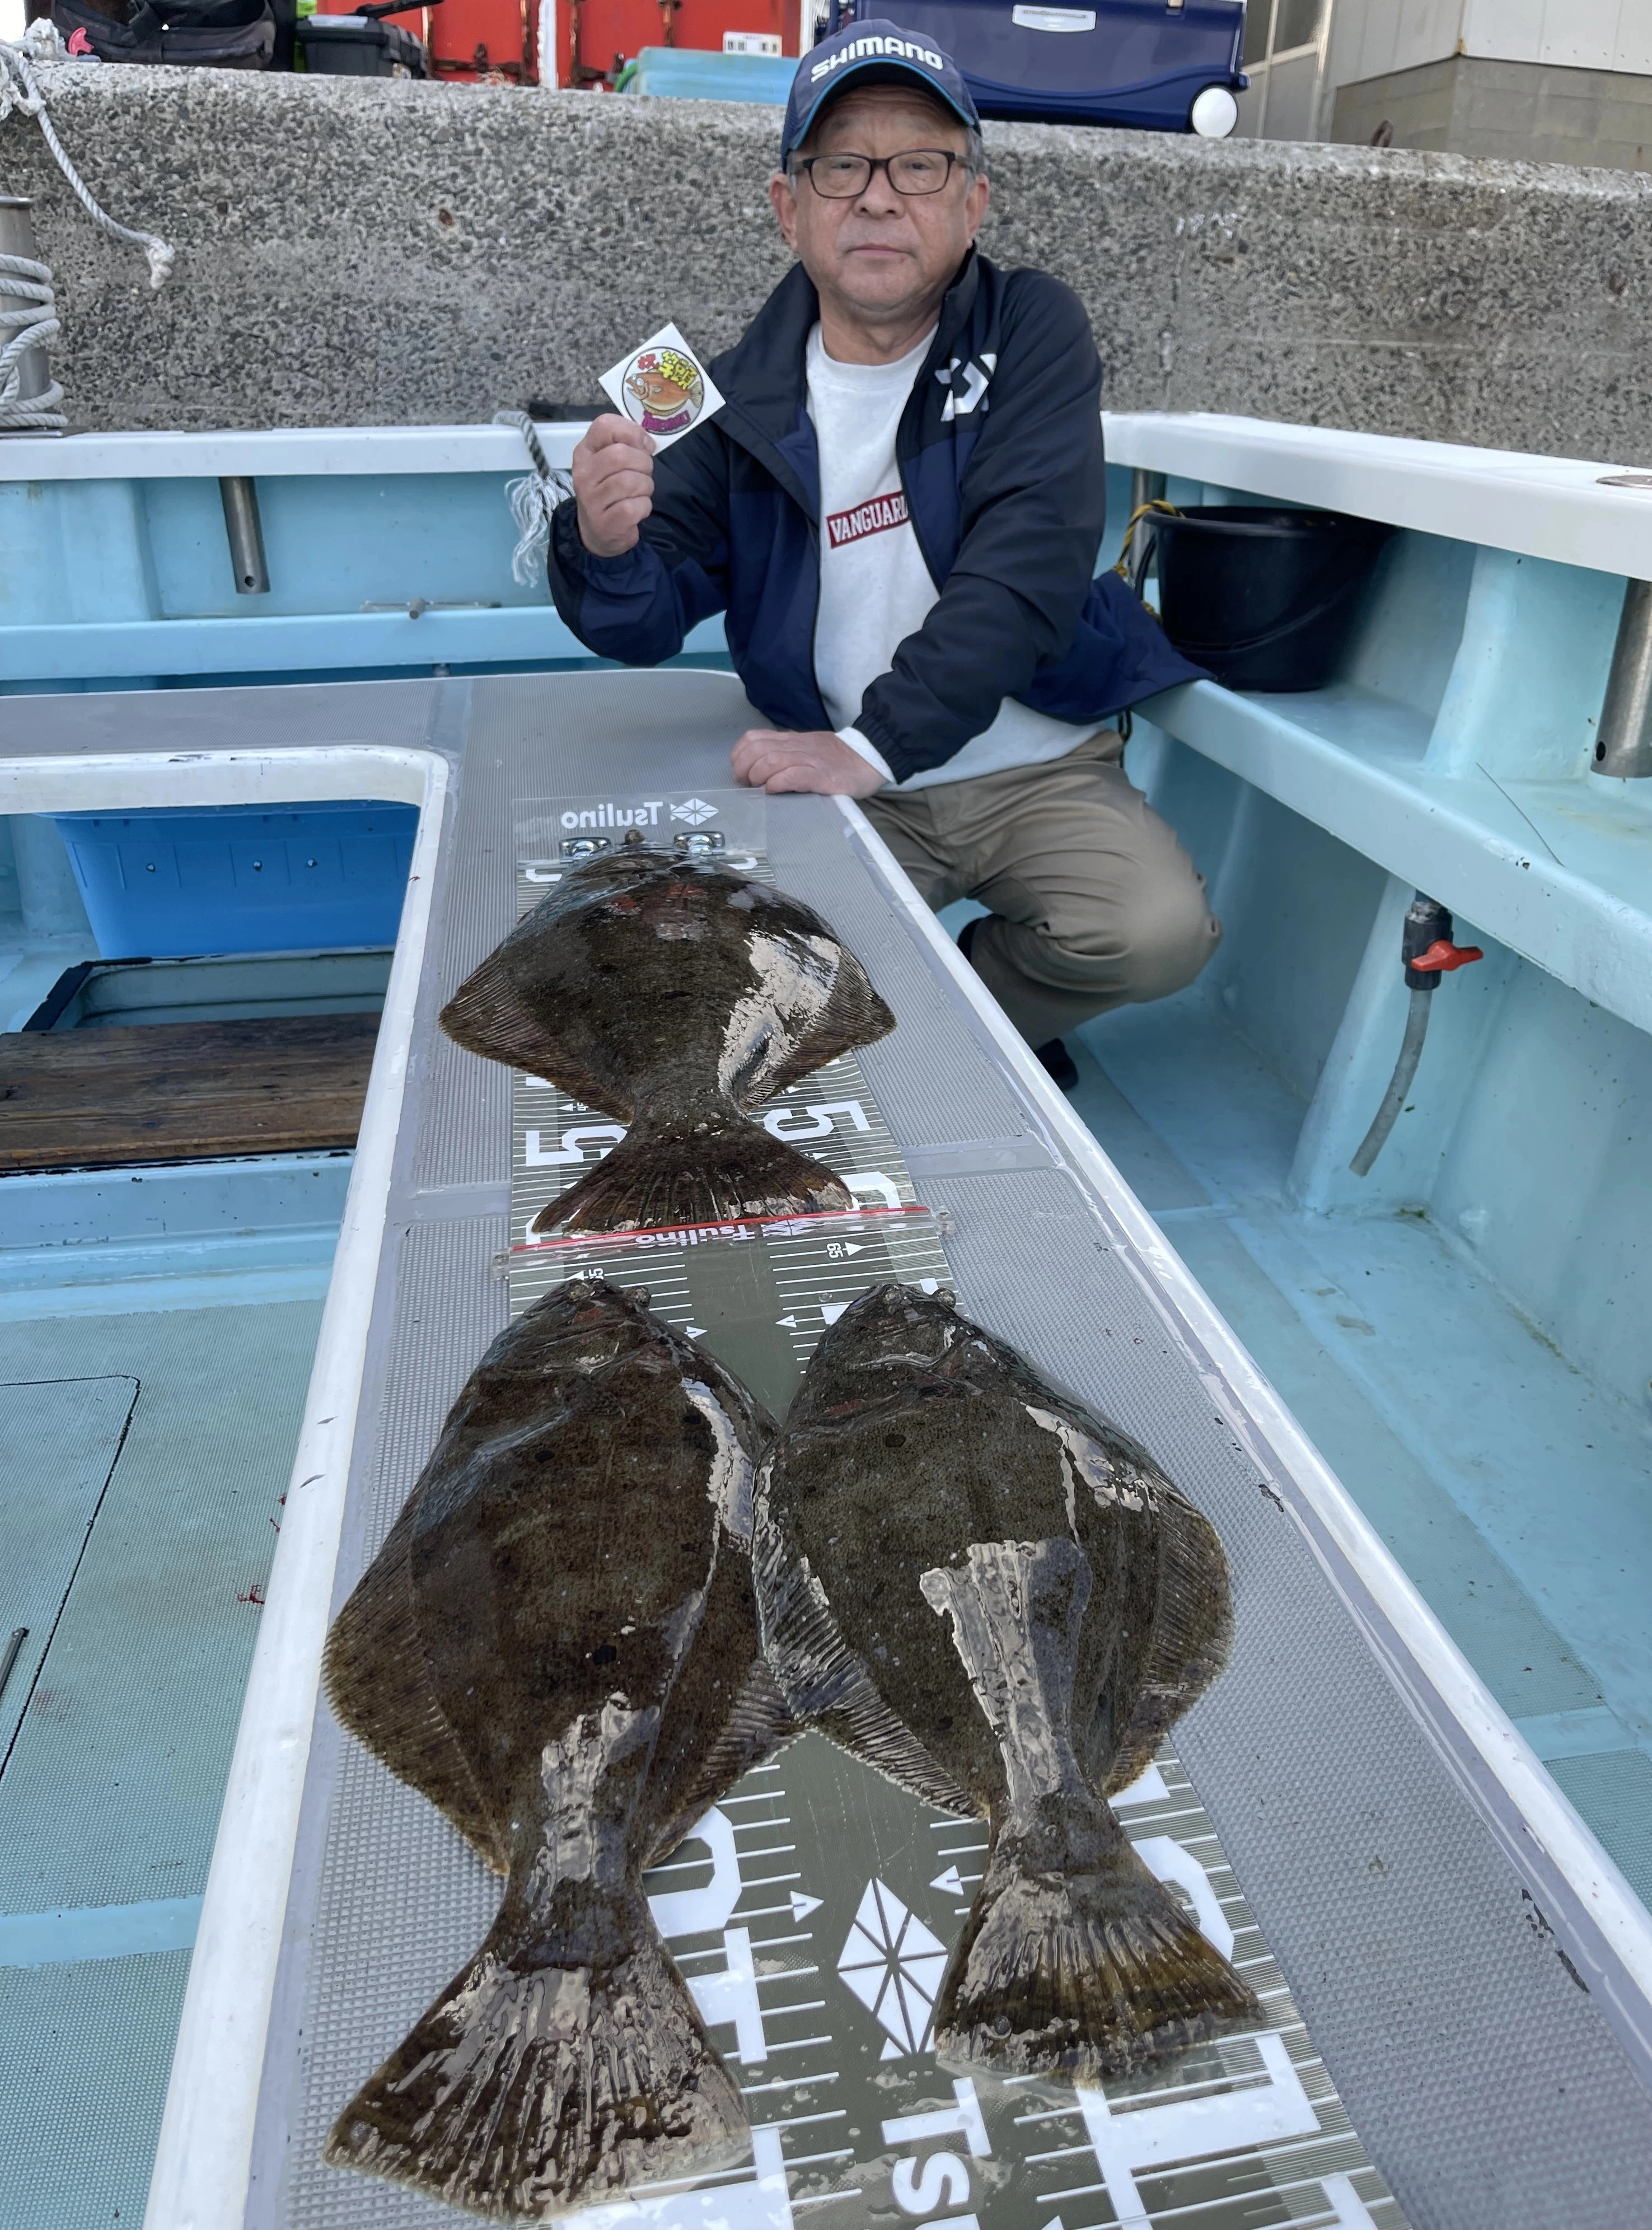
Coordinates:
x,y
674,995
557,1645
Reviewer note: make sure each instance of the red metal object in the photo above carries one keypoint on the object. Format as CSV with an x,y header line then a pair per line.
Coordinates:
x,y
500,41
488,42
1442,956
514,42
591,38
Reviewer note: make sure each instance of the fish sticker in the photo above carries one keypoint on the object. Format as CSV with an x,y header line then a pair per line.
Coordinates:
x,y
663,387
674,996
1001,1603
557,1646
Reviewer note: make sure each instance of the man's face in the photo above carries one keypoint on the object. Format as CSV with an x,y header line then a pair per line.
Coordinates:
x,y
882,255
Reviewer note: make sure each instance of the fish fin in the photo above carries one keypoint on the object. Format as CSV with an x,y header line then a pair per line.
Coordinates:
x,y
853,1016
551,2072
706,1739
1193,1635
1085,1973
758,1725
379,1687
825,1685
664,1173
488,1015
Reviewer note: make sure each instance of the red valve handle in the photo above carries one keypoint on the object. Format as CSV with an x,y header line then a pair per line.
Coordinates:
x,y
1443,955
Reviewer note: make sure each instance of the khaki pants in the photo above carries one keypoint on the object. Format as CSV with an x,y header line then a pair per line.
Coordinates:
x,y
1093,904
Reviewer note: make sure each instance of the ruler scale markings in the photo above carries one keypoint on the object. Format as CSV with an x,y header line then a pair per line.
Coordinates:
x,y
761,1296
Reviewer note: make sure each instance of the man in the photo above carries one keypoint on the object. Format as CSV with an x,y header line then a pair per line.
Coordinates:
x,y
899,510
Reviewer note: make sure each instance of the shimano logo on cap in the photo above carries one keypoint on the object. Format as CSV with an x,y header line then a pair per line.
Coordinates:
x,y
905,50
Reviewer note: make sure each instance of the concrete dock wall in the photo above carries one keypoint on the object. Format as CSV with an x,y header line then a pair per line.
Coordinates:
x,y
358,251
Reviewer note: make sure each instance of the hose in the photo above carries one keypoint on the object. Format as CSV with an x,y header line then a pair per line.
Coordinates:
x,y
1411,1052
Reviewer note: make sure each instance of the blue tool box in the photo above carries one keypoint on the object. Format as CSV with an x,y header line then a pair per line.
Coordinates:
x,y
171,882
1140,63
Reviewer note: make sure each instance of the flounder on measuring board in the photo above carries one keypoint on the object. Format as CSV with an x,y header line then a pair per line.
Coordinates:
x,y
1000,1601
674,995
557,1645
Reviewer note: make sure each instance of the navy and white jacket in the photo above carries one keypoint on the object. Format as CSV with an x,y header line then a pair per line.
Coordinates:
x,y
999,450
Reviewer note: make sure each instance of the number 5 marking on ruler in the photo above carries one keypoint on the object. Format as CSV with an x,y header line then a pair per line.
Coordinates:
x,y
813,1122
573,1145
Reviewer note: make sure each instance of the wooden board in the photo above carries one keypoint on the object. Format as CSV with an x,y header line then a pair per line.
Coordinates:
x,y
181,1091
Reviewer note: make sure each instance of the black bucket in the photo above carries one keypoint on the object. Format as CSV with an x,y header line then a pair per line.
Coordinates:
x,y
1264,599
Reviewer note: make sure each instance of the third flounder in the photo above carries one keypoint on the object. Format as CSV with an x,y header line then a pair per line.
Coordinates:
x,y
1000,1601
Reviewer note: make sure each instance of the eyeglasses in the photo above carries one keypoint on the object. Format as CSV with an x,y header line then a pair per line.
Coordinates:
x,y
841,177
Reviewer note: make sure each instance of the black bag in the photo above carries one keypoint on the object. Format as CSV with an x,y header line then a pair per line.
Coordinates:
x,y
208,34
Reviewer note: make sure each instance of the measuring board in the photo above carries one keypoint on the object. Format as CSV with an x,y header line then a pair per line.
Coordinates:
x,y
812,1911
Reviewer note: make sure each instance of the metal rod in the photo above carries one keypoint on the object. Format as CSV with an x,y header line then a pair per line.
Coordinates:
x,y
1411,1052
1623,747
1145,487
13,1652
245,533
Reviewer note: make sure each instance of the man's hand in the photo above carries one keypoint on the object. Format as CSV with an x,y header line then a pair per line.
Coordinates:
x,y
776,759
613,485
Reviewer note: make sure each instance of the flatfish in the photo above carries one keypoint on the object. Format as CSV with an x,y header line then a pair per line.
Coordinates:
x,y
674,995
557,1645
1000,1601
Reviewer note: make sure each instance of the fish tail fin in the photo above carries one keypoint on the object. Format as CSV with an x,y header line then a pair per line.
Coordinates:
x,y
1086,1972
667,1173
552,2069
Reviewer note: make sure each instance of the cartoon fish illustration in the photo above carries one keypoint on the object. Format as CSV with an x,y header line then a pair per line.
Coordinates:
x,y
557,1646
668,389
674,995
1000,1601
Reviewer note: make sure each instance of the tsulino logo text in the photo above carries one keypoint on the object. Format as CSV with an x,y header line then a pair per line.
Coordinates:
x,y
874,518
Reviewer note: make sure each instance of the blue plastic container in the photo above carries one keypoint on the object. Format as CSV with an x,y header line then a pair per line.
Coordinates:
x,y
689,73
172,882
1138,63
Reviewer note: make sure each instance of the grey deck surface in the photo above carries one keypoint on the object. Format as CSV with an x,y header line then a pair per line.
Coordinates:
x,y
1485,2082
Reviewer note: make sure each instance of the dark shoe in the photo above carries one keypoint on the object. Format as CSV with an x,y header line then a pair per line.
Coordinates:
x,y
1058,1062
966,934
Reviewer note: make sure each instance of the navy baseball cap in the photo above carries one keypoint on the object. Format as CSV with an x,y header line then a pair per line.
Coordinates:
x,y
877,53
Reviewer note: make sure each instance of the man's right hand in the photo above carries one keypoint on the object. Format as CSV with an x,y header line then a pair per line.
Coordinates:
x,y
613,485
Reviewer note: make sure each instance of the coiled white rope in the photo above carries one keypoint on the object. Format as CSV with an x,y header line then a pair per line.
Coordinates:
x,y
23,282
532,499
34,325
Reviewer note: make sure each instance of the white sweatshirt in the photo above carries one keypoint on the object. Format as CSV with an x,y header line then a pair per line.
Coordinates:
x,y
875,586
